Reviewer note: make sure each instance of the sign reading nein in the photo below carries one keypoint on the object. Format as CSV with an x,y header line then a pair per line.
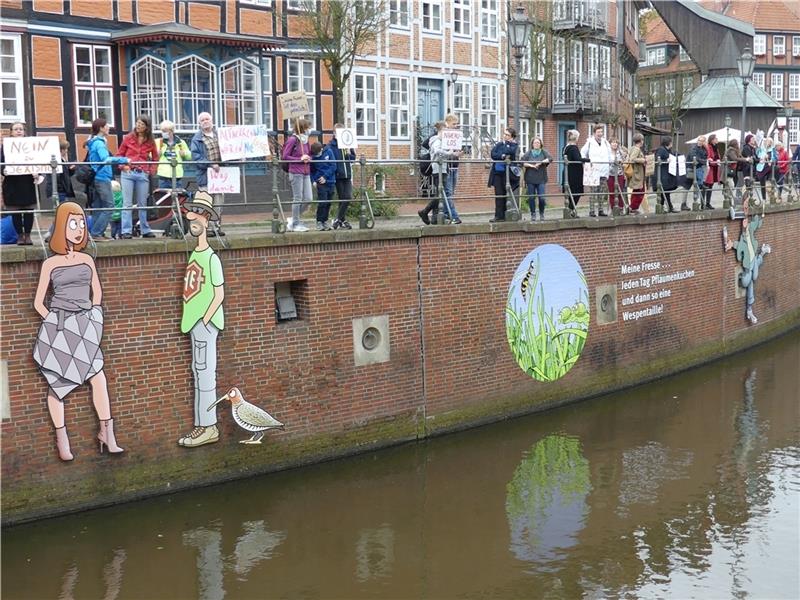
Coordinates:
x,y
649,277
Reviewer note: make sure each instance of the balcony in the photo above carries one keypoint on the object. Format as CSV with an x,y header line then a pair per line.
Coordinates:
x,y
580,14
580,98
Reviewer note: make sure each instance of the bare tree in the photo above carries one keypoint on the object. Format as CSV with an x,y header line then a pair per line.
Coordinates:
x,y
342,30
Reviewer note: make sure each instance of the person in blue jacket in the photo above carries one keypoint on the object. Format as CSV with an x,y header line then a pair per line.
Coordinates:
x,y
506,148
103,196
323,175
344,179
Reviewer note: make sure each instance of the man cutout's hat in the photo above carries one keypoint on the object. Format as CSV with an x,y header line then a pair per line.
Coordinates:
x,y
205,201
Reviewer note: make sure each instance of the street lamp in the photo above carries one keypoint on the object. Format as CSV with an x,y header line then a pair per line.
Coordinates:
x,y
519,33
746,63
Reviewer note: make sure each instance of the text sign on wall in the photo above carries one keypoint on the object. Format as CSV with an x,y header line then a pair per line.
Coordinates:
x,y
243,141
20,152
224,181
346,138
294,104
648,283
452,139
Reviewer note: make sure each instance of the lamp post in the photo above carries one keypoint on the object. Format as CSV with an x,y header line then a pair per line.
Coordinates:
x,y
746,63
452,77
519,33
726,198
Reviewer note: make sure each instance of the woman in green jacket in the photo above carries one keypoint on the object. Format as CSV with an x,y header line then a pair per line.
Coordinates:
x,y
170,146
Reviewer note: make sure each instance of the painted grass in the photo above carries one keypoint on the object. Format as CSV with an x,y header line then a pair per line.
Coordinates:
x,y
544,346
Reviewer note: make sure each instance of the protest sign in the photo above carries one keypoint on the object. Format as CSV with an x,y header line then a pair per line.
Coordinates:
x,y
243,141
294,105
224,181
591,175
21,152
673,165
452,139
681,166
346,137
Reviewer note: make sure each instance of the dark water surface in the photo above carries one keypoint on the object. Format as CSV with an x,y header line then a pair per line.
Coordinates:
x,y
688,487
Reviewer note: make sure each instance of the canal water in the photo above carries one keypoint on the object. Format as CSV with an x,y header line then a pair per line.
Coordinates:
x,y
687,487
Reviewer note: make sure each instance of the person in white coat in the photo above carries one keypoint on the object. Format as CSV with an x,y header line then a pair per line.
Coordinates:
x,y
598,151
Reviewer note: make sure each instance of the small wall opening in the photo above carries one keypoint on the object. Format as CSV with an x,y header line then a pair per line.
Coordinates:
x,y
291,300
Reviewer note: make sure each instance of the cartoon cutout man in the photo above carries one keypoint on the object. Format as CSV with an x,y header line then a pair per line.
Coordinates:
x,y
203,319
747,255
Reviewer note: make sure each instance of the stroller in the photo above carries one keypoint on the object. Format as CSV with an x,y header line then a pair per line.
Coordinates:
x,y
161,212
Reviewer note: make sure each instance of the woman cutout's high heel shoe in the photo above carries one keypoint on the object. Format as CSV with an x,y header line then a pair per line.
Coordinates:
x,y
62,444
106,437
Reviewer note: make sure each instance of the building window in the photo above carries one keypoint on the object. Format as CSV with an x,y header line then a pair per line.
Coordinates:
x,y
523,135
398,107
778,45
365,105
688,85
758,79
560,69
241,93
684,56
759,44
431,16
193,91
621,79
149,88
656,56
776,89
525,63
294,4
92,69
796,45
489,109
794,87
593,63
489,19
398,13
266,82
257,3
538,130
11,78
794,130
540,55
605,67
301,77
462,102
462,17
655,93
576,53
669,92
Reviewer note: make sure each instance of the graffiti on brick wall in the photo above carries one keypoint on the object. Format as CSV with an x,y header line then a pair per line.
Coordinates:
x,y
67,348
547,315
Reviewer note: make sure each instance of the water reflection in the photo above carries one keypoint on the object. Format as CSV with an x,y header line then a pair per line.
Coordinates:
x,y
689,487
546,499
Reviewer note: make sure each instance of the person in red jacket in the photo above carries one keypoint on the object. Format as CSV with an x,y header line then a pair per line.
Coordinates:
x,y
782,164
138,147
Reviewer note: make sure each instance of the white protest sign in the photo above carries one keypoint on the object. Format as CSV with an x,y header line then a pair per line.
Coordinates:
x,y
346,138
294,105
681,165
20,152
452,139
224,181
243,141
591,175
673,165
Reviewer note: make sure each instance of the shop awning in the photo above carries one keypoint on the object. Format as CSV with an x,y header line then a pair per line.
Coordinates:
x,y
185,33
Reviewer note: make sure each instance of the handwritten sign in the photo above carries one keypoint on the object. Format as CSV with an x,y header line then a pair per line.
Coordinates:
x,y
224,181
673,165
21,152
243,141
681,165
346,137
591,175
294,105
452,139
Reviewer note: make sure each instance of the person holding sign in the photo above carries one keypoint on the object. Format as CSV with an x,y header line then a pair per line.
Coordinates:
x,y
451,123
667,181
19,193
296,153
536,161
344,179
206,155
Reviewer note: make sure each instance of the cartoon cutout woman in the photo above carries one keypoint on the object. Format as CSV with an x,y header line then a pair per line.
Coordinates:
x,y
67,348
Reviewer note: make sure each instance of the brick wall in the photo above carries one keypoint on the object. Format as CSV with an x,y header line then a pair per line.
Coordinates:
x,y
450,363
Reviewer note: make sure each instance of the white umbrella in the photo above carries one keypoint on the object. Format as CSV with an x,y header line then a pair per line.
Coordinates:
x,y
725,134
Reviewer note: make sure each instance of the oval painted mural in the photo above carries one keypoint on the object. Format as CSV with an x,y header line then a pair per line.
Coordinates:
x,y
547,314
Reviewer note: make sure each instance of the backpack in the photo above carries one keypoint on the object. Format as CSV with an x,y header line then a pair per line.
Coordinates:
x,y
85,174
425,156
285,163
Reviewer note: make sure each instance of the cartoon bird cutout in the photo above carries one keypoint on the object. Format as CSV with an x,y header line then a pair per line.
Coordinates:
x,y
249,416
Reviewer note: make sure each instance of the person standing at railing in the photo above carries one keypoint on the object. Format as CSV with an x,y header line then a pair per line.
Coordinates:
x,y
667,182
536,160
598,151
616,177
64,187
508,148
747,152
206,155
451,181
738,166
636,184
19,193
715,170
440,160
796,165
344,179
296,152
140,148
323,175
781,166
764,164
696,164
102,195
573,170
170,146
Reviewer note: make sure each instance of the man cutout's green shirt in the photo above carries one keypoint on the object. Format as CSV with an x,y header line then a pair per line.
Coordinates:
x,y
203,274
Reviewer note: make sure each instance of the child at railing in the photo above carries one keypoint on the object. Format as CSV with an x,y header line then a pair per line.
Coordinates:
x,y
116,216
323,174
